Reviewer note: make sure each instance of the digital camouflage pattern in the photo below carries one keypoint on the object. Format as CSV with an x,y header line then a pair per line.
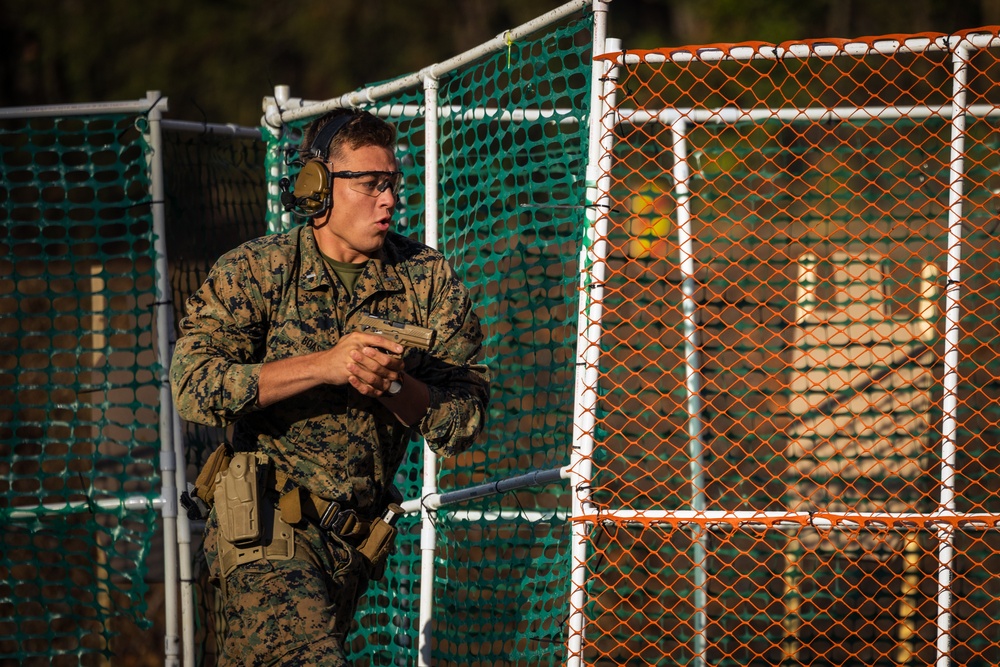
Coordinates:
x,y
282,612
273,298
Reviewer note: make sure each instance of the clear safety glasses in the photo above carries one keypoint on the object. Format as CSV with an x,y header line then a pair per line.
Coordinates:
x,y
371,183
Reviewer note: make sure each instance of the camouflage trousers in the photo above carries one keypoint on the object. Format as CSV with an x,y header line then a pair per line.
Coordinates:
x,y
290,612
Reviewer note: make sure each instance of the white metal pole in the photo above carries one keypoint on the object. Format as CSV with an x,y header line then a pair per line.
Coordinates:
x,y
164,318
631,116
428,538
273,122
952,335
506,485
49,110
188,614
165,327
223,129
692,356
184,559
592,274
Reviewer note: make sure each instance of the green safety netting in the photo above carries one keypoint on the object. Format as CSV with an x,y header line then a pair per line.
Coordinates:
x,y
513,150
214,195
79,386
80,377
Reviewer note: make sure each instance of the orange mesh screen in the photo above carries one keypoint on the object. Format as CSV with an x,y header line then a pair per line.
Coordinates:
x,y
795,450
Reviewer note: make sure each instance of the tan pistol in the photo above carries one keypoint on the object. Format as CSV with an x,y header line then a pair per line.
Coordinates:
x,y
407,335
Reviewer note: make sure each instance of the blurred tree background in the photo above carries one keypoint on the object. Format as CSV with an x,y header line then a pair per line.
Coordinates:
x,y
216,59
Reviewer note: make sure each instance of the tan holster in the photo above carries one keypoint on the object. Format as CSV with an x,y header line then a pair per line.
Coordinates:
x,y
253,527
250,528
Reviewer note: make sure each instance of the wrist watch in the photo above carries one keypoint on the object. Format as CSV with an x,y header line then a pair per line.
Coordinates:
x,y
395,386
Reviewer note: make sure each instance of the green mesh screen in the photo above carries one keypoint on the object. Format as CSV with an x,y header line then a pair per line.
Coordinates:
x,y
79,389
214,184
513,146
512,222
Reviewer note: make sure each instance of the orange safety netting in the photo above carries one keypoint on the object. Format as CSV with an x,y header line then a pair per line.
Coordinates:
x,y
795,451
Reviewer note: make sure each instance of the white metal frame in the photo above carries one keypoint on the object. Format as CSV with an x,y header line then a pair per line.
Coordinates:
x,y
593,269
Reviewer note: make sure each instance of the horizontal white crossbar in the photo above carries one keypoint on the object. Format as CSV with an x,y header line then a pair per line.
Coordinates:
x,y
779,520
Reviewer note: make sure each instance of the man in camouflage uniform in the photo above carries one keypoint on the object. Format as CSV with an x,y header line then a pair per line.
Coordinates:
x,y
271,345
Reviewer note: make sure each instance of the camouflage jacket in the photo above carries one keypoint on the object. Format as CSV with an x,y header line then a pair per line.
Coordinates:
x,y
274,297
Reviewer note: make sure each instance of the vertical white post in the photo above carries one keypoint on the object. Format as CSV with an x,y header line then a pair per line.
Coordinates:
x,y
272,121
952,334
164,318
693,380
592,274
428,538
184,561
165,327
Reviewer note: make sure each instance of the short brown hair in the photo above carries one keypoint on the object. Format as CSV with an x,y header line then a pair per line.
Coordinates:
x,y
362,129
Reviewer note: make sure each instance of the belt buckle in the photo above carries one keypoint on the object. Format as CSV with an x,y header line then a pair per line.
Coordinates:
x,y
326,522
334,518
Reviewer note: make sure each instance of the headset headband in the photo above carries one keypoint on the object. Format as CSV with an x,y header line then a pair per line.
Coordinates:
x,y
320,146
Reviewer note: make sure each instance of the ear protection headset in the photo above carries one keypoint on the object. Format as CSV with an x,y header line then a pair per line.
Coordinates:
x,y
310,197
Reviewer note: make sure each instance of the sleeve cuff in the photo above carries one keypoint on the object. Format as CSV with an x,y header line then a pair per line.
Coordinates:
x,y
240,388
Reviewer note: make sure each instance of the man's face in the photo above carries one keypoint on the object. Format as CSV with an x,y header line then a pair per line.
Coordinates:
x,y
358,222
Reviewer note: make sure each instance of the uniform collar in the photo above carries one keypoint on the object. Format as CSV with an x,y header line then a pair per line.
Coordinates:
x,y
380,273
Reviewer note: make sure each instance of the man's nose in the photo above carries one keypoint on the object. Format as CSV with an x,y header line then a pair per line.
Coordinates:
x,y
387,198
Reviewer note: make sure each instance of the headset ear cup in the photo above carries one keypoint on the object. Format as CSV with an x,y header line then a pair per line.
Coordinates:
x,y
312,189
